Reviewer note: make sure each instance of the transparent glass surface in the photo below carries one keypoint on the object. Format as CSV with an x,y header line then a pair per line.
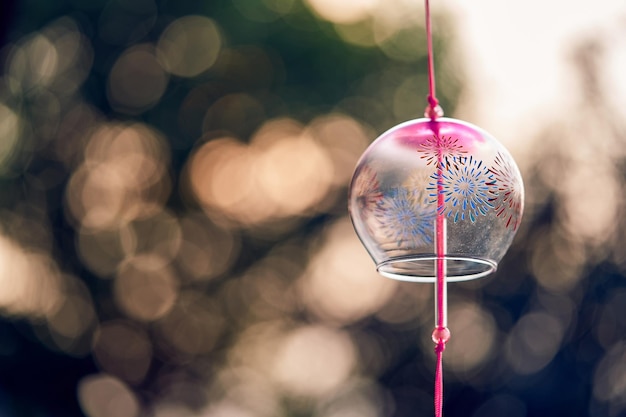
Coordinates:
x,y
423,169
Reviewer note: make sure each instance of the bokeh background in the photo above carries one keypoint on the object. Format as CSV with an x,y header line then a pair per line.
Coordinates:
x,y
174,239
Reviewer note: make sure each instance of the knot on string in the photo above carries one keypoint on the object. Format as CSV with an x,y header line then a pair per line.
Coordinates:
x,y
433,110
441,335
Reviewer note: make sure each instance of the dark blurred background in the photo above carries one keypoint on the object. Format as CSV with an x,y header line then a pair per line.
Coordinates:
x,y
174,239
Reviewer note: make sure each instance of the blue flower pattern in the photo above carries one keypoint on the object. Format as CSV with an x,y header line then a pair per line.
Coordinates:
x,y
403,219
468,189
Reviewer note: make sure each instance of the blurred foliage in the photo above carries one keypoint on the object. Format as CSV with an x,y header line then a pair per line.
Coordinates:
x,y
174,237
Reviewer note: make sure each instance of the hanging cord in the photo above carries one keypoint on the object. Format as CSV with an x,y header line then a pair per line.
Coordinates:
x,y
441,334
433,110
440,337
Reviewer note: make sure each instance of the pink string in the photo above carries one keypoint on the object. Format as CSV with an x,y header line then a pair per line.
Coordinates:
x,y
433,110
439,348
441,334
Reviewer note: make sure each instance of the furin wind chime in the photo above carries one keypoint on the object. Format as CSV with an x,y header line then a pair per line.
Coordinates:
x,y
435,200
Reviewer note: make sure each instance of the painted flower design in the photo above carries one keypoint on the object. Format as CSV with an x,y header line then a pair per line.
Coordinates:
x,y
508,189
406,216
445,147
467,187
417,180
367,189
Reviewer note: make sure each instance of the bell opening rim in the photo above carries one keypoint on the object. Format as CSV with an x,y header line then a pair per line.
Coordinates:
x,y
382,266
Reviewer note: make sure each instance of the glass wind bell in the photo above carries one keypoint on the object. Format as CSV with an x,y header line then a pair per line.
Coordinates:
x,y
436,200
430,173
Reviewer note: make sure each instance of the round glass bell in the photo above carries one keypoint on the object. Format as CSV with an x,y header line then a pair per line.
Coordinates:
x,y
436,179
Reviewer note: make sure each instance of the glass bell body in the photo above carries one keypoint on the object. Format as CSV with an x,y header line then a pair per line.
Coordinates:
x,y
424,170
